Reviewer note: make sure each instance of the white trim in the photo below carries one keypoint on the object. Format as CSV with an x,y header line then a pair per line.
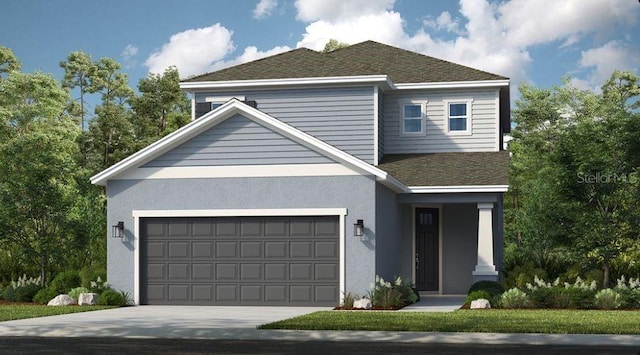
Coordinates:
x,y
440,209
454,189
232,171
234,84
423,117
223,99
227,110
137,214
375,125
497,108
193,106
357,79
452,84
469,116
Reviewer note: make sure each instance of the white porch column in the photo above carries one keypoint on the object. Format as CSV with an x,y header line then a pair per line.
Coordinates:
x,y
485,268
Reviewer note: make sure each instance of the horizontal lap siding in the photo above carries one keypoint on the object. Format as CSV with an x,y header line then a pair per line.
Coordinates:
x,y
238,141
341,117
484,123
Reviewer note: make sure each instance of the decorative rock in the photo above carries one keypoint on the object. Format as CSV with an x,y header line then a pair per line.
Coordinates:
x,y
362,304
61,300
480,304
88,299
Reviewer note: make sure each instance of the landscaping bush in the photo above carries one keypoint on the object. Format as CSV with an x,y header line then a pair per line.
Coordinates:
x,y
45,295
88,276
495,289
111,297
75,292
65,281
607,299
476,295
392,295
629,292
348,300
580,294
9,294
98,285
26,293
514,298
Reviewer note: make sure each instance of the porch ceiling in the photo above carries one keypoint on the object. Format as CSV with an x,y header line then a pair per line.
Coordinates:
x,y
449,169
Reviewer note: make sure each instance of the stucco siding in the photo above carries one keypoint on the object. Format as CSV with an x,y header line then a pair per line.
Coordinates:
x,y
460,248
355,193
342,117
238,141
484,132
391,246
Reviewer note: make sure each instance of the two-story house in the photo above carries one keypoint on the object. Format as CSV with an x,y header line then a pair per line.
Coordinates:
x,y
304,175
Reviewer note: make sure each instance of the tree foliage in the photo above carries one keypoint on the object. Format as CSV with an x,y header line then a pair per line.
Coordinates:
x,y
334,44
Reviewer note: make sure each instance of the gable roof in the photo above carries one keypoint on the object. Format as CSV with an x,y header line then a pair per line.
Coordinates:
x,y
230,109
483,170
362,59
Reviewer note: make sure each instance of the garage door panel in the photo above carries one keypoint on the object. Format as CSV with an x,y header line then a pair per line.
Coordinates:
x,y
240,260
300,249
251,249
226,272
275,250
226,250
202,272
202,250
178,272
326,249
178,249
251,272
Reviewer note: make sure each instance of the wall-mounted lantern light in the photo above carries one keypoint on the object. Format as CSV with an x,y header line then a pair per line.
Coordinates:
x,y
117,231
358,228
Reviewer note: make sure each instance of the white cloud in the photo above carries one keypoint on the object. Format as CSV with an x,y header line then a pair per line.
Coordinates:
x,y
337,10
491,36
129,51
607,58
193,51
250,53
263,8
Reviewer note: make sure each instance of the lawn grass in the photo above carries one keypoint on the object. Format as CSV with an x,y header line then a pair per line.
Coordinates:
x,y
490,321
13,312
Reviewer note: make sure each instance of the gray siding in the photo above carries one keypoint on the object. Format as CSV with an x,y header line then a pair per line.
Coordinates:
x,y
484,112
342,117
238,141
355,193
460,247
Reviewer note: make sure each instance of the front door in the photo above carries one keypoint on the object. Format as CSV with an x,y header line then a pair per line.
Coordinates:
x,y
427,249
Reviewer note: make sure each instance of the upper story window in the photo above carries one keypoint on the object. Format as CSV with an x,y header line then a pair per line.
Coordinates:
x,y
213,102
413,118
458,117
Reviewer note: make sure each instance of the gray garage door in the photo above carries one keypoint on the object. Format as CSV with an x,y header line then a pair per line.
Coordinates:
x,y
239,261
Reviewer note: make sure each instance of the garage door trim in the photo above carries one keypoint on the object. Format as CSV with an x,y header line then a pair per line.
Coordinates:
x,y
137,214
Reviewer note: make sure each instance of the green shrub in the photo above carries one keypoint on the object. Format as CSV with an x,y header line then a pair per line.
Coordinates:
x,y
26,293
392,295
348,299
9,294
476,295
608,299
514,298
87,276
494,288
45,295
65,281
629,292
75,292
580,298
111,297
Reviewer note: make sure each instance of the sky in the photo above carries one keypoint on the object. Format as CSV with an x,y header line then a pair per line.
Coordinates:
x,y
530,41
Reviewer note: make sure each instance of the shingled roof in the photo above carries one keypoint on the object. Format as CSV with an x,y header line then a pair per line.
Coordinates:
x,y
366,58
448,169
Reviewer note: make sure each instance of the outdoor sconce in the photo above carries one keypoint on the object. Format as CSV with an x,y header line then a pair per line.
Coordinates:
x,y
358,228
117,231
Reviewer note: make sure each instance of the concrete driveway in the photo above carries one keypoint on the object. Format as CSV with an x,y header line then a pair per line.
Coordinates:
x,y
156,322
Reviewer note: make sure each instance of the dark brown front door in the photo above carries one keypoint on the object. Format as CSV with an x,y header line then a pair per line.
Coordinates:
x,y
427,249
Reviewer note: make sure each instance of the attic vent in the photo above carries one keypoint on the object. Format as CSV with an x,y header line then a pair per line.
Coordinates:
x,y
213,102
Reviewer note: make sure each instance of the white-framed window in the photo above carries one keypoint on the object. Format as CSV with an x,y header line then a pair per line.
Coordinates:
x,y
213,102
412,117
458,117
